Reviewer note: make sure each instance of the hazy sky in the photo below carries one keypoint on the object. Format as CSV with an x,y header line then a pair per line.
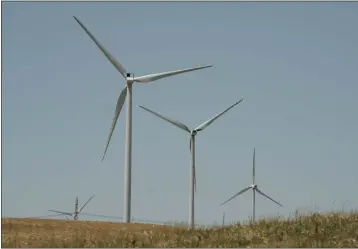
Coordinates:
x,y
295,64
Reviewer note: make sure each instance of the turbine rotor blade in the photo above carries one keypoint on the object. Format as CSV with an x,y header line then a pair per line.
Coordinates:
x,y
157,76
101,215
268,197
120,102
44,216
114,62
239,193
174,122
210,121
86,203
60,212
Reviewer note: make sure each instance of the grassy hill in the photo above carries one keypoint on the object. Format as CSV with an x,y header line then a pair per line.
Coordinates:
x,y
315,230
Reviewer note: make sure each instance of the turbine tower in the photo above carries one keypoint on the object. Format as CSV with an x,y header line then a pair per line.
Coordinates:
x,y
254,188
130,79
223,219
192,133
76,212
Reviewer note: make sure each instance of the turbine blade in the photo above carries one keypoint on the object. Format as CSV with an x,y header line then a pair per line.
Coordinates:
x,y
239,193
210,121
145,221
194,166
157,76
268,197
86,203
174,122
190,145
101,215
44,216
114,62
60,212
253,168
120,102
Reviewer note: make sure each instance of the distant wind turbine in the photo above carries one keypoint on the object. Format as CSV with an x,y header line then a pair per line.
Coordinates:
x,y
130,79
76,212
192,133
254,188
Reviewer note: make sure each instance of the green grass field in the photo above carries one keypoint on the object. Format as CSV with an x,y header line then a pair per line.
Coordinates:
x,y
315,230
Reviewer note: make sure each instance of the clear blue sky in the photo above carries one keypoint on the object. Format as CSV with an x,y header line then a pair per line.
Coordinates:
x,y
296,64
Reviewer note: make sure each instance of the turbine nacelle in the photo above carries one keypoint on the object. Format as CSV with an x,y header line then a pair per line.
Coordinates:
x,y
130,78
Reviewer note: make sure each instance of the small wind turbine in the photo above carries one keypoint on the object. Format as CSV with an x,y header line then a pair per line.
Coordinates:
x,y
254,188
192,133
76,212
130,79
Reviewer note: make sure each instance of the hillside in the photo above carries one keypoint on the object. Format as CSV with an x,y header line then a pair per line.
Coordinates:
x,y
316,230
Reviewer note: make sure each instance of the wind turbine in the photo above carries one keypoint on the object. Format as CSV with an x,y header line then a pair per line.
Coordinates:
x,y
127,90
76,212
254,188
192,133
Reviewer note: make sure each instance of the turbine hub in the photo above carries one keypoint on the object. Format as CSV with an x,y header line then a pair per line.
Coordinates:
x,y
254,186
193,133
130,78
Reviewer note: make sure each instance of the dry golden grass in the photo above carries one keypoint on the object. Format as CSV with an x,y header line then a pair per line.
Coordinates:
x,y
315,230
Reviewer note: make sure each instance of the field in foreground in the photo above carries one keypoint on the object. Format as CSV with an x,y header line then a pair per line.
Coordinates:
x,y
316,230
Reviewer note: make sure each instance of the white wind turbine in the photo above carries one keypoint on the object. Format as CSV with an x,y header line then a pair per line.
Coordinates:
x,y
130,79
254,188
77,210
192,133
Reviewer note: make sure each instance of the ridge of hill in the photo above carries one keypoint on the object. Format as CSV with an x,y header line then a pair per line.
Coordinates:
x,y
314,230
